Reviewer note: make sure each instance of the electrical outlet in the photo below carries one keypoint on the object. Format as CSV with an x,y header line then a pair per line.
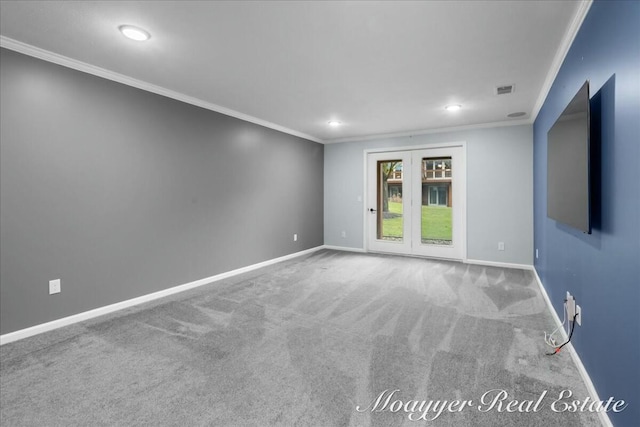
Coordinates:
x,y
344,234
501,246
54,286
536,253
295,237
579,315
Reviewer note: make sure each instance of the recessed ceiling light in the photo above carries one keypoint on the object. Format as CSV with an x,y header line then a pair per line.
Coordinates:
x,y
454,107
334,123
134,33
518,114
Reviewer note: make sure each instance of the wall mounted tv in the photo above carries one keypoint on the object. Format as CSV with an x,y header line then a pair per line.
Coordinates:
x,y
568,176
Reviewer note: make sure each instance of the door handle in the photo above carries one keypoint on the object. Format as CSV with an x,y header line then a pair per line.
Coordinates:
x,y
372,210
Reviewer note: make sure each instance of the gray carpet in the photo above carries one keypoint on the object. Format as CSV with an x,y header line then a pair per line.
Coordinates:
x,y
303,343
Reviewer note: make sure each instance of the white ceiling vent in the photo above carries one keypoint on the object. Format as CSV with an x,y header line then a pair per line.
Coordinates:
x,y
505,89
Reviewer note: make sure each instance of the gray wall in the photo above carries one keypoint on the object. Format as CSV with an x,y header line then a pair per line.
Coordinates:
x,y
499,190
120,192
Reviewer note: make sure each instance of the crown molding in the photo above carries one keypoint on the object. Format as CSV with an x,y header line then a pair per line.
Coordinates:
x,y
65,61
561,53
429,131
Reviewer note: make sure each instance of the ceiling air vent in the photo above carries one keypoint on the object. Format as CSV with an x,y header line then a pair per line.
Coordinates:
x,y
505,89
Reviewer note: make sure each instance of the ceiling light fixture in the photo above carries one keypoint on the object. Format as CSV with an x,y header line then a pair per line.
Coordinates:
x,y
134,33
334,123
453,107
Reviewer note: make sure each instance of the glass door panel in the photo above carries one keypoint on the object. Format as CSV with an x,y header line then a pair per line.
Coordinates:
x,y
436,207
390,212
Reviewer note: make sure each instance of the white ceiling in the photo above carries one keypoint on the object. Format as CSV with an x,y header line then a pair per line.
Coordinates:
x,y
378,67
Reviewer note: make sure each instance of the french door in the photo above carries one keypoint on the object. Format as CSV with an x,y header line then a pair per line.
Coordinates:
x,y
416,202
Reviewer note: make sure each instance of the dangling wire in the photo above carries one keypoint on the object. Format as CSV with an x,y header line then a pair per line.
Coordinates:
x,y
551,342
573,325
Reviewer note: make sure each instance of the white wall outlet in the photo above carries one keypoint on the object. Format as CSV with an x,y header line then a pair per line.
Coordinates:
x,y
571,306
501,246
54,286
344,234
579,315
536,253
295,237
359,198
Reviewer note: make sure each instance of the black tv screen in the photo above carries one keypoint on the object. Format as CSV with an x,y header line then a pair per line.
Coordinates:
x,y
568,145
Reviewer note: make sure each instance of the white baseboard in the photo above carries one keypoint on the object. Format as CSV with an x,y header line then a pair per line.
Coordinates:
x,y
604,417
499,264
344,248
65,321
466,261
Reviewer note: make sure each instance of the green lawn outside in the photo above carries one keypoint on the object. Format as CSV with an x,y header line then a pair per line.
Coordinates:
x,y
436,222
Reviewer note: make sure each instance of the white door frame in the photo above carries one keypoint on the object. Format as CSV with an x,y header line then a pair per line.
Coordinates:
x,y
461,168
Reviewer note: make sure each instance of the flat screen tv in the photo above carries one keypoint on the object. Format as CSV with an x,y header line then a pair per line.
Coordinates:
x,y
568,147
